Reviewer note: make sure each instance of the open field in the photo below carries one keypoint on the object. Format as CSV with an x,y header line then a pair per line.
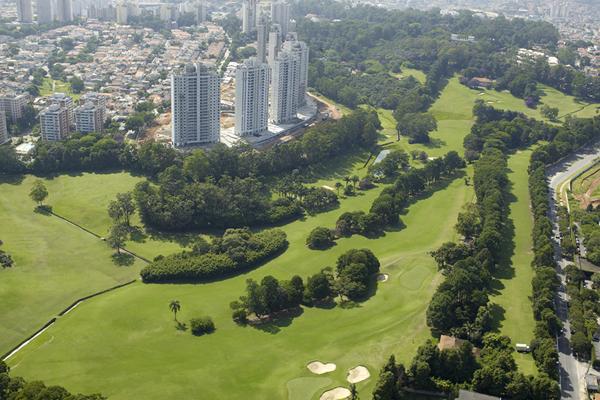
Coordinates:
x,y
126,352
56,262
415,73
50,86
513,284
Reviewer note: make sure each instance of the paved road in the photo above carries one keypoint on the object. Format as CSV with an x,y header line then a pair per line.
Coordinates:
x,y
572,372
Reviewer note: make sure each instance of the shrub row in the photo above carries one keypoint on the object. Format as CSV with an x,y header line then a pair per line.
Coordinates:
x,y
236,251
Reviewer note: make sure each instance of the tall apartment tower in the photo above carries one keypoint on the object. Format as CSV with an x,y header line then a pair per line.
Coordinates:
x,y
251,98
274,43
54,123
280,15
63,10
13,105
300,49
24,11
284,88
121,9
88,118
44,12
249,15
195,106
97,100
3,128
201,12
262,35
65,102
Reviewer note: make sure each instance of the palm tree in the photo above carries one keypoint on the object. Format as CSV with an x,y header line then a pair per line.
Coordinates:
x,y
347,180
174,306
355,180
338,186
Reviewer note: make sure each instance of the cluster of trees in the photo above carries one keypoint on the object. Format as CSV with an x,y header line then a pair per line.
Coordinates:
x,y
6,260
583,312
491,370
352,278
390,166
320,238
387,207
504,130
18,388
460,304
590,231
312,199
235,251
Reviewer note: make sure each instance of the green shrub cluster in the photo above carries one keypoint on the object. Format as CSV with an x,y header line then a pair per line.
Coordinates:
x,y
235,251
202,326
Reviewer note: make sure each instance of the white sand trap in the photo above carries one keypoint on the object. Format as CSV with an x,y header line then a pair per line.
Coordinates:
x,y
317,367
382,277
328,188
339,393
358,374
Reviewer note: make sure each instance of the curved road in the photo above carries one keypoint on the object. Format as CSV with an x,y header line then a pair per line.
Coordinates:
x,y
571,371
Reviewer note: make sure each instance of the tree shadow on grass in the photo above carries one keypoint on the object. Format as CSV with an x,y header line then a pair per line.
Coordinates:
x,y
12,179
274,323
123,259
43,210
180,326
497,316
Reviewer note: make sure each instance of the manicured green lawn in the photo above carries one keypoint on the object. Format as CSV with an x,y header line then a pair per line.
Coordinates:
x,y
514,279
47,88
56,263
125,344
136,352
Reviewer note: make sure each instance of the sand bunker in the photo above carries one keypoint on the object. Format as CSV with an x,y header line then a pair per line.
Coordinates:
x,y
358,374
382,277
339,393
317,367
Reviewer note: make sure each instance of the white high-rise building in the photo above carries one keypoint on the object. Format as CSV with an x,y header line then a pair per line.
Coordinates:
x,y
13,105
201,12
300,49
54,123
195,106
97,100
261,43
24,11
284,88
88,118
44,12
274,43
251,98
63,10
3,128
66,102
280,15
122,16
249,15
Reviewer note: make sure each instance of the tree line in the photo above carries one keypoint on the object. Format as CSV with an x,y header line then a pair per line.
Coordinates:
x,y
351,280
19,388
237,250
387,207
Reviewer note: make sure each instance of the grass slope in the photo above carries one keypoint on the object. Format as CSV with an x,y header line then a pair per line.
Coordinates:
x,y
514,279
126,352
56,263
50,86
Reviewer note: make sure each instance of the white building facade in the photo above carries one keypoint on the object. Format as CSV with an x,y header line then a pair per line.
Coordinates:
x,y
251,98
3,128
13,105
284,88
249,15
24,11
195,106
54,123
88,118
45,14
280,15
301,50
